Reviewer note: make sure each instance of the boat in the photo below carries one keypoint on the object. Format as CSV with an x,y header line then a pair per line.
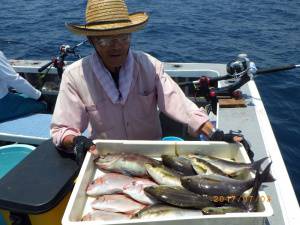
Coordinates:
x,y
251,119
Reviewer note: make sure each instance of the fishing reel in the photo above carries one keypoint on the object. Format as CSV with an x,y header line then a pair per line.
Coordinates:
x,y
66,49
59,61
240,66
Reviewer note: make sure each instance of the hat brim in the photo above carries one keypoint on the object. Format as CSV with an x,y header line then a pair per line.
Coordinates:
x,y
136,22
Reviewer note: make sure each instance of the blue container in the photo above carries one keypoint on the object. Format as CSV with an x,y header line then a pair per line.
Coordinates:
x,y
2,222
11,155
172,138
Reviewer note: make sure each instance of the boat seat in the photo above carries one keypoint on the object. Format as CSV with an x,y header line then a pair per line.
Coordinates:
x,y
33,129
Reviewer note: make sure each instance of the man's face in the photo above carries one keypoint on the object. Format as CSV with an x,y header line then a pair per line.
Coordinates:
x,y
112,49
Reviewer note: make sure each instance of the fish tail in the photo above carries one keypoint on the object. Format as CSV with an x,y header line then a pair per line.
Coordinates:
x,y
259,179
263,177
257,165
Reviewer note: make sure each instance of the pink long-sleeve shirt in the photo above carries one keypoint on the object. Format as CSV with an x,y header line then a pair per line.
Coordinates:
x,y
84,101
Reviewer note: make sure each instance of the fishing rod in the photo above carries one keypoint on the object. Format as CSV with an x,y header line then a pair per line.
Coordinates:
x,y
240,70
59,61
232,74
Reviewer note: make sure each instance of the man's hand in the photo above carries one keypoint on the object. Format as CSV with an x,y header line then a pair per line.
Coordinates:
x,y
42,98
218,135
82,144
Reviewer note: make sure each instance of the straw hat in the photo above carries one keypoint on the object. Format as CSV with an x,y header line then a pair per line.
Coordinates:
x,y
108,17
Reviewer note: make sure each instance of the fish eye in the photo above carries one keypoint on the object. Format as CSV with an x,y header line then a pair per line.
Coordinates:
x,y
188,180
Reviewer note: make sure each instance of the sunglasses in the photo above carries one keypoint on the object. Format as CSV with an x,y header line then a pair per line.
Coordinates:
x,y
109,41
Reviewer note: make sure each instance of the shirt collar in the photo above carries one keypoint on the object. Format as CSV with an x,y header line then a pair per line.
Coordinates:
x,y
107,82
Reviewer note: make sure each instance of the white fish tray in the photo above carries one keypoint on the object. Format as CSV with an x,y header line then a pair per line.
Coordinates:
x,y
79,203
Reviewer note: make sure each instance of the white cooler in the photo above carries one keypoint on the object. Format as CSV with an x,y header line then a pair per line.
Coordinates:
x,y
79,203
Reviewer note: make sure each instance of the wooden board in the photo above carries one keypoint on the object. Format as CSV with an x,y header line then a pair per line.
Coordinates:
x,y
231,103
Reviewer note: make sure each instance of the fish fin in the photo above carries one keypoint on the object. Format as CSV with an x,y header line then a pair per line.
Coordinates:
x,y
96,159
264,176
270,178
261,177
257,164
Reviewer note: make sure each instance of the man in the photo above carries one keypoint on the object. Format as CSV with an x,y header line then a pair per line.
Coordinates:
x,y
14,105
116,90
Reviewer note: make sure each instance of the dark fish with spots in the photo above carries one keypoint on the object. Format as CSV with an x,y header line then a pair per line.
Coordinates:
x,y
178,196
216,185
182,164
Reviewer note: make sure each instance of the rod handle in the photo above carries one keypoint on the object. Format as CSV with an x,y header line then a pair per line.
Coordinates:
x,y
44,66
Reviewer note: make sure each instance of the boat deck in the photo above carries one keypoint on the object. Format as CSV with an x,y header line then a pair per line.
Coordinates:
x,y
254,124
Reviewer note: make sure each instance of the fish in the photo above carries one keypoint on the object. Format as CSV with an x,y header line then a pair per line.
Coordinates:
x,y
203,167
159,211
99,215
178,196
130,164
231,168
222,210
135,190
182,164
162,175
216,185
117,203
109,183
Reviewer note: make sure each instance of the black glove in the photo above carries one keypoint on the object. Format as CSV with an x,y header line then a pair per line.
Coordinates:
x,y
219,135
248,149
81,145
